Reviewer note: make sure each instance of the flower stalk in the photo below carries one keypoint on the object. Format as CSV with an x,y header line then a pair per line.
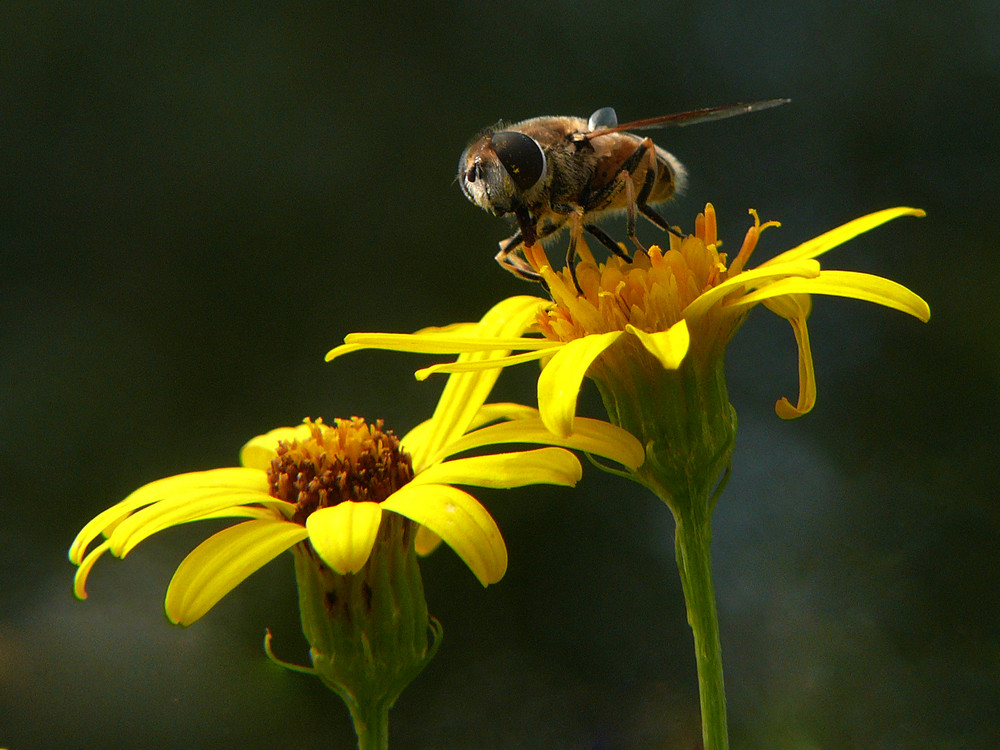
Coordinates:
x,y
688,426
694,561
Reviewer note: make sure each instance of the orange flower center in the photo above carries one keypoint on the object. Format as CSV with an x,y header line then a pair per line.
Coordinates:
x,y
649,292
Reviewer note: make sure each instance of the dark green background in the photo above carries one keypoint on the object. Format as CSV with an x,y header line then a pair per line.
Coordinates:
x,y
198,200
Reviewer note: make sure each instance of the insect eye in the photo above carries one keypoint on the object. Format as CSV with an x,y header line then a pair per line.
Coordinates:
x,y
521,156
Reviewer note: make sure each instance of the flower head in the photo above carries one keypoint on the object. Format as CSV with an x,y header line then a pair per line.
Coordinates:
x,y
687,300
331,484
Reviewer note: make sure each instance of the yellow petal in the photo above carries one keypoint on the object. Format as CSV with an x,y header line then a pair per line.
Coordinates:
x,y
852,284
343,534
459,519
464,393
478,365
669,346
488,413
183,507
756,278
427,541
80,579
504,470
217,565
502,410
559,383
840,235
419,343
451,329
589,435
236,478
795,309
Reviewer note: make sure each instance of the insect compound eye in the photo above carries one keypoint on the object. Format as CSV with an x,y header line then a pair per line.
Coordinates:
x,y
521,156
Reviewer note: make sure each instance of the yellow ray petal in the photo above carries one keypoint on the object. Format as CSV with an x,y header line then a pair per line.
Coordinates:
x,y
217,565
795,309
459,519
478,365
451,329
488,413
80,579
181,508
464,393
829,240
504,470
756,278
236,478
343,534
862,286
502,410
427,541
669,346
589,435
419,343
559,383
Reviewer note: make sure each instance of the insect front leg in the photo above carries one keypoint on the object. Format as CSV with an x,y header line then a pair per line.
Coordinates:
x,y
517,265
526,236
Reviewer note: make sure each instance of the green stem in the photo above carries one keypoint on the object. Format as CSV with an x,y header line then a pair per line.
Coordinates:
x,y
695,564
371,723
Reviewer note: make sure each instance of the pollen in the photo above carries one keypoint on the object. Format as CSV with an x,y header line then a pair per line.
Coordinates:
x,y
348,460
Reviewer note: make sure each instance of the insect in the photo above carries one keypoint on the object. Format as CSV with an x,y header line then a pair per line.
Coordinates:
x,y
552,173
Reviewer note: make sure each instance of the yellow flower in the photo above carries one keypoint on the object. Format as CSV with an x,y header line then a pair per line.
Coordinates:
x,y
652,334
686,300
331,485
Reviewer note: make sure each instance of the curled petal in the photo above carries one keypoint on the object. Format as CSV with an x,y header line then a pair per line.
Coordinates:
x,y
559,383
343,534
459,519
80,579
795,309
668,346
220,563
840,235
505,470
235,479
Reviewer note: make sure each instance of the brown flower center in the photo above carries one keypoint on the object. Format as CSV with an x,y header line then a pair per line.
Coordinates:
x,y
348,460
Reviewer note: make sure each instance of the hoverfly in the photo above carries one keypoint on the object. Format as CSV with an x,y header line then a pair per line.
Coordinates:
x,y
552,173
